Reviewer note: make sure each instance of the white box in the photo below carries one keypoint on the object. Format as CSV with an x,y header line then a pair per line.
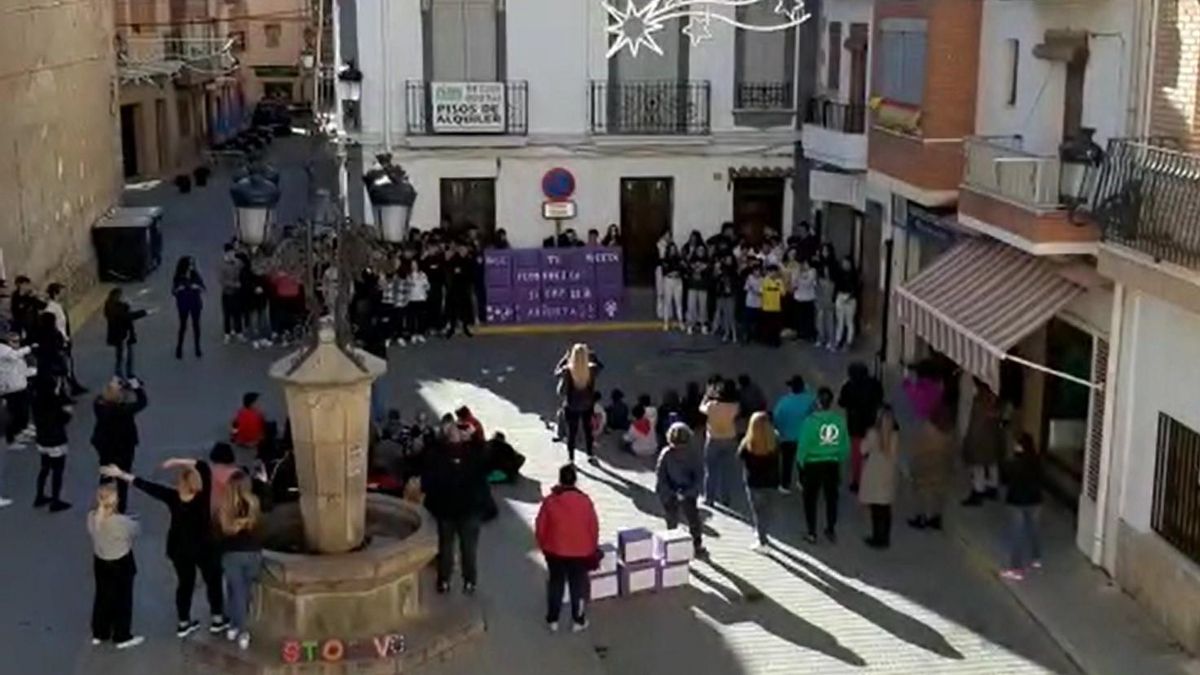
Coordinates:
x,y
604,586
635,544
638,577
673,546
608,563
671,575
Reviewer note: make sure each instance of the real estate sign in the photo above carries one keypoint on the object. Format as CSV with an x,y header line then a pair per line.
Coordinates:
x,y
468,107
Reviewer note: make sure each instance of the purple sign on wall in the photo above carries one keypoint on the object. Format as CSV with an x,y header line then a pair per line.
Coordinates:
x,y
559,285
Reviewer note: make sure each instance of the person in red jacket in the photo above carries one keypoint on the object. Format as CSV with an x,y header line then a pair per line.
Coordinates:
x,y
568,533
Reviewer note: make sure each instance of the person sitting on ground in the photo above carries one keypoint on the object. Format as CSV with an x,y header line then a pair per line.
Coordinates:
x,y
599,415
505,461
618,412
249,424
641,439
466,418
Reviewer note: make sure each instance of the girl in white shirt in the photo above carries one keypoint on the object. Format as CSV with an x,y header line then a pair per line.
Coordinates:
x,y
418,294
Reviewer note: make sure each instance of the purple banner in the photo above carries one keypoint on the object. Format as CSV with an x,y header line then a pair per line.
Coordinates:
x,y
559,285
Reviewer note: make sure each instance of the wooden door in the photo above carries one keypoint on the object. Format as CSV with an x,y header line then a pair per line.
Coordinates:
x,y
646,208
469,202
757,205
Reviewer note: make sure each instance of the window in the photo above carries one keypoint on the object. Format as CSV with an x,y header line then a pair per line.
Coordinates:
x,y
271,33
902,60
1013,51
1176,511
763,63
463,40
834,60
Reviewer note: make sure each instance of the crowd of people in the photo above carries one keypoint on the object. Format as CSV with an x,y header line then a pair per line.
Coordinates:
x,y
741,290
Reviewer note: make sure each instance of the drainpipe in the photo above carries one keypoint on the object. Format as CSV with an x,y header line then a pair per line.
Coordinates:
x,y
1108,423
387,74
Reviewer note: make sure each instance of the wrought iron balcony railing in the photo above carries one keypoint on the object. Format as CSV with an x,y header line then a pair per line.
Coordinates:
x,y
652,108
449,108
1147,198
847,118
764,96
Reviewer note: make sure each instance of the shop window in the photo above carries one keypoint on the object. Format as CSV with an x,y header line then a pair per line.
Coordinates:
x,y
1176,513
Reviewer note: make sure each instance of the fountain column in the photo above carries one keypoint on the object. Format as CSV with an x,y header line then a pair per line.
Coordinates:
x,y
329,405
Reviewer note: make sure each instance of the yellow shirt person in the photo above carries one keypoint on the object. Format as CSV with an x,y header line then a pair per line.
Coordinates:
x,y
772,293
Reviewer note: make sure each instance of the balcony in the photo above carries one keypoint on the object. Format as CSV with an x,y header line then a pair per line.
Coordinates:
x,y
1147,200
651,108
1016,196
467,108
767,97
834,133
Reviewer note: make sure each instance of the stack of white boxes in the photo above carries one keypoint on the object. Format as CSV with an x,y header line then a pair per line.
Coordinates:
x,y
638,568
673,552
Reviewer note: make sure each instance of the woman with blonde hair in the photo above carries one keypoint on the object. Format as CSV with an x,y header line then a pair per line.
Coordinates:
x,y
191,545
238,525
759,452
576,372
112,544
877,487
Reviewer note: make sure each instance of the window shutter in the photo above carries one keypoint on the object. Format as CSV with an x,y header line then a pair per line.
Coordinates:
x,y
449,36
914,68
1096,417
834,57
479,18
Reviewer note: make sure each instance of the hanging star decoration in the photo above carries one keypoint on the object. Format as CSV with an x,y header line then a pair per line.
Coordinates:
x,y
634,27
699,28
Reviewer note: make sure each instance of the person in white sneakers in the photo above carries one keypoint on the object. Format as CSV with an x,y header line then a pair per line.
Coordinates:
x,y
4,501
112,544
418,302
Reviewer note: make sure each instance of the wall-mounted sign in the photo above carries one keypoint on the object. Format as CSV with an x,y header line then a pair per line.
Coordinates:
x,y
558,183
468,107
560,210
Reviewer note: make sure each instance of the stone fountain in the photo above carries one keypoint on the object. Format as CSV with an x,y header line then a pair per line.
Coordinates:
x,y
345,585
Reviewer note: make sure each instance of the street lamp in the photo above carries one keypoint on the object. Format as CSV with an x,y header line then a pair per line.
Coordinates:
x,y
350,82
392,197
1079,155
254,199
307,59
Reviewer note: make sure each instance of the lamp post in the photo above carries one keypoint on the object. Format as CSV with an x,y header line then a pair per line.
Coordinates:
x,y
1079,156
255,196
350,82
392,197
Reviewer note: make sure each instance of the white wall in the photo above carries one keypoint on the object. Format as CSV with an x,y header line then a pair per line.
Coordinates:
x,y
703,198
1159,372
1037,114
557,46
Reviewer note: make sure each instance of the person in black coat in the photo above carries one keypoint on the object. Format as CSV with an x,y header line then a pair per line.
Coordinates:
x,y
188,289
861,397
1023,477
460,284
115,435
457,494
50,348
121,334
25,307
51,414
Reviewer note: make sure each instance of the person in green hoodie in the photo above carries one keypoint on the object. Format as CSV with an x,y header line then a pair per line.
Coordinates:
x,y
824,444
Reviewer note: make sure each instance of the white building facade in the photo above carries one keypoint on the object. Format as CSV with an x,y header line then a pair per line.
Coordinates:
x,y
686,140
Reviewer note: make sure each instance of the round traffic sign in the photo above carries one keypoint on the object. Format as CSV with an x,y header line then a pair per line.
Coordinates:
x,y
558,183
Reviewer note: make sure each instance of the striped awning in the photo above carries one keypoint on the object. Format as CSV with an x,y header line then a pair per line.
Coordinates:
x,y
979,300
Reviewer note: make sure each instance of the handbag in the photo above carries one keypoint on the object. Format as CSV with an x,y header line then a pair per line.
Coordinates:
x,y
593,561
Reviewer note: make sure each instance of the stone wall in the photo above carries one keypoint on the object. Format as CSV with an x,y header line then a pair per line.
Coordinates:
x,y
59,136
